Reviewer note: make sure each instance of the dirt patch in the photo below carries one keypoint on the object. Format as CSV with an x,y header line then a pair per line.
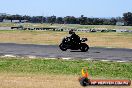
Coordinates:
x,y
44,81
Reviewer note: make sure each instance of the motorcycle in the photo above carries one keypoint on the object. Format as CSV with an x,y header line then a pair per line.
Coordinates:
x,y
67,44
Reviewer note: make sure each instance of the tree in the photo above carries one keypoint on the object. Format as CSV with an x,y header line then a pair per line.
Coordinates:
x,y
89,21
67,20
59,20
28,18
113,21
119,19
53,19
9,18
73,20
1,18
83,20
36,19
128,18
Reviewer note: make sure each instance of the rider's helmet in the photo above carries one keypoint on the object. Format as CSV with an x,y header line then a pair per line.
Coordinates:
x,y
71,31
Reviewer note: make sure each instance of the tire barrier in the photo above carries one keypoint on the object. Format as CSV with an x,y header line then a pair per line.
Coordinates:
x,y
77,30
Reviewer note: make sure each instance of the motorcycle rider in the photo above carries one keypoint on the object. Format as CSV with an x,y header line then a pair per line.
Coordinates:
x,y
74,39
73,42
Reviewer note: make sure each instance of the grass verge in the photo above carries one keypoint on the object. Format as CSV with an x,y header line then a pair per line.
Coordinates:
x,y
63,67
114,40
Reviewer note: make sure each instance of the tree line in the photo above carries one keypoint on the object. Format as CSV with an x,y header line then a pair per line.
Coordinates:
x,y
127,19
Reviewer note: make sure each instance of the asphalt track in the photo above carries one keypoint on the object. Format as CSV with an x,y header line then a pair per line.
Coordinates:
x,y
53,51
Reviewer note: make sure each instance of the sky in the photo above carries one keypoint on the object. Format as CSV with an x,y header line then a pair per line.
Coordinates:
x,y
62,8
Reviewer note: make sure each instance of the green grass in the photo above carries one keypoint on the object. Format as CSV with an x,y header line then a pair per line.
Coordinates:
x,y
63,67
7,24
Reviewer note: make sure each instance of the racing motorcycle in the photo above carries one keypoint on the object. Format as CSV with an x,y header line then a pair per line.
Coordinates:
x,y
67,44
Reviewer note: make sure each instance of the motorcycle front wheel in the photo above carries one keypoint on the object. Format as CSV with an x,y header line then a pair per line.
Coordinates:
x,y
84,47
63,47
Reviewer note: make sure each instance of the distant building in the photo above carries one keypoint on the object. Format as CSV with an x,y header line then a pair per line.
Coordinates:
x,y
120,23
24,21
14,21
6,21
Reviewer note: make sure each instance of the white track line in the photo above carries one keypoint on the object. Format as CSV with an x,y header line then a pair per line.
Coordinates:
x,y
64,58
